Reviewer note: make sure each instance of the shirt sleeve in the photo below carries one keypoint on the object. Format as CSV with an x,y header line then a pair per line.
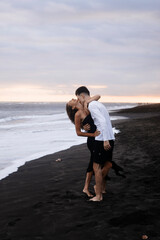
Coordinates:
x,y
99,120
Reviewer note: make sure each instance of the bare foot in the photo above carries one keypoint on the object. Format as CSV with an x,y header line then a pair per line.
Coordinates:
x,y
88,193
96,199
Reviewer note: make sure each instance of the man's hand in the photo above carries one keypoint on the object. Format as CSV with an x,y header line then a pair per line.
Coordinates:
x,y
87,127
106,145
97,133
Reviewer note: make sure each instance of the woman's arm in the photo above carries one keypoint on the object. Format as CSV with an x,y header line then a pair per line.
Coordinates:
x,y
78,128
94,98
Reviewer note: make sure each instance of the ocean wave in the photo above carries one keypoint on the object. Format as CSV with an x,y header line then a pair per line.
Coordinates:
x,y
30,117
120,106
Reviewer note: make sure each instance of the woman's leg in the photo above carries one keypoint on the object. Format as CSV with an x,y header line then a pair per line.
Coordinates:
x,y
89,172
87,182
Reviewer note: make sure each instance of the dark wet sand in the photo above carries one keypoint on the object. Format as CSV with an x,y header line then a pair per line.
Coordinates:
x,y
44,199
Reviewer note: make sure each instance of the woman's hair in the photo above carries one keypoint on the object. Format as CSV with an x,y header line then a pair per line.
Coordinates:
x,y
71,112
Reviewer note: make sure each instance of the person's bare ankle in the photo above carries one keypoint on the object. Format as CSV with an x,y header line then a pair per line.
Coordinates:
x,y
86,191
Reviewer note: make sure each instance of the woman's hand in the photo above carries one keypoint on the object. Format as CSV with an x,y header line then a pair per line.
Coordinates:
x,y
97,133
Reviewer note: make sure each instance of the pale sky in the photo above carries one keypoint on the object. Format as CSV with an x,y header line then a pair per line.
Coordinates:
x,y
50,47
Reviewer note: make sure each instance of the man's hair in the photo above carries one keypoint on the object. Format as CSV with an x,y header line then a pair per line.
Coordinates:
x,y
82,89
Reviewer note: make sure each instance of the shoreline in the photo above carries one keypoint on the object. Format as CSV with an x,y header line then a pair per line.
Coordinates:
x,y
18,162
123,114
44,199
6,172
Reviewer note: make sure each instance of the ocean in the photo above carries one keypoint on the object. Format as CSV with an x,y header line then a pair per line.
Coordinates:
x,y
32,130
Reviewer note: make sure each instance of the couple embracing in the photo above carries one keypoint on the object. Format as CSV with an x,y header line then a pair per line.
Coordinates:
x,y
89,114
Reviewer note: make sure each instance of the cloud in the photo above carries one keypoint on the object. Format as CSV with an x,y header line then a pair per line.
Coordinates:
x,y
92,86
51,43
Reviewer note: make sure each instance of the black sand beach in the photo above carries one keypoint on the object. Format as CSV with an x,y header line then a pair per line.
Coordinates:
x,y
44,199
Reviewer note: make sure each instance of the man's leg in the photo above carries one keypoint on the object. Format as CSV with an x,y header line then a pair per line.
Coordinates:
x,y
105,171
99,179
106,168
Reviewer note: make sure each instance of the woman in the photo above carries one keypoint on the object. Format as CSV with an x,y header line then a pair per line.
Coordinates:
x,y
80,116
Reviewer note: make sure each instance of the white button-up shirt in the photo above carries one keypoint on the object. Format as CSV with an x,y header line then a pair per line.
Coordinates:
x,y
102,121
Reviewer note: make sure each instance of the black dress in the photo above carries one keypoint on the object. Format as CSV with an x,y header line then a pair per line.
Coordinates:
x,y
90,140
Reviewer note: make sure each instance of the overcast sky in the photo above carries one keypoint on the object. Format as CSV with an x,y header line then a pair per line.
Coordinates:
x,y
49,47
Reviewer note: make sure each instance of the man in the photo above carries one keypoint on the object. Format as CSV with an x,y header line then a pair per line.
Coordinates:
x,y
104,143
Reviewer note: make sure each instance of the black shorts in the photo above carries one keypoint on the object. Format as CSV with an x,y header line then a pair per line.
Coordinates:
x,y
100,155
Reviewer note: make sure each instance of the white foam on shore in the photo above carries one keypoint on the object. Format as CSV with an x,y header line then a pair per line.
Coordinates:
x,y
116,131
113,118
21,161
34,141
